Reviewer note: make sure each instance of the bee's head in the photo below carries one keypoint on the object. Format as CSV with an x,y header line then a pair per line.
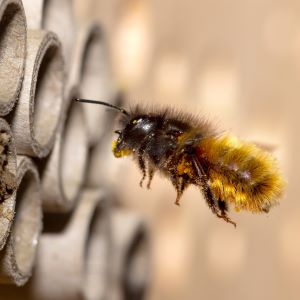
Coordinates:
x,y
119,149
135,131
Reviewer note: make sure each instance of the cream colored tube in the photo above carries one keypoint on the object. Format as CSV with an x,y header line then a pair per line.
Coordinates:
x,y
38,110
58,17
13,52
64,170
18,257
101,156
102,165
73,263
90,72
130,257
8,185
33,10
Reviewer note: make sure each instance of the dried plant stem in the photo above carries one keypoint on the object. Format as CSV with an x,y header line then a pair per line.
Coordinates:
x,y
13,52
8,171
58,16
91,74
38,110
130,261
81,254
63,174
18,256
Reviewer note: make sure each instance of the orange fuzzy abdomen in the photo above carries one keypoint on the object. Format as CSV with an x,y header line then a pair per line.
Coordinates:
x,y
241,173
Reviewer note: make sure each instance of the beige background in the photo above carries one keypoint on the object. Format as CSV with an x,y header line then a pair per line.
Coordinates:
x,y
237,62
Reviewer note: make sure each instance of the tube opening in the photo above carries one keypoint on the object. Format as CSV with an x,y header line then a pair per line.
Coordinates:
x,y
48,95
97,250
74,152
27,224
12,54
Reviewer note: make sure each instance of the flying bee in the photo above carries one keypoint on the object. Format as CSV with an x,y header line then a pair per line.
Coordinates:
x,y
185,149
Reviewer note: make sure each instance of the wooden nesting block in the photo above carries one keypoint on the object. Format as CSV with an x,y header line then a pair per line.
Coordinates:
x,y
130,256
90,72
39,108
73,262
63,171
34,12
58,16
12,52
8,180
18,257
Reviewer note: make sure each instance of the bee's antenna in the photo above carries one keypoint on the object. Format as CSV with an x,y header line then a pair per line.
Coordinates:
x,y
122,110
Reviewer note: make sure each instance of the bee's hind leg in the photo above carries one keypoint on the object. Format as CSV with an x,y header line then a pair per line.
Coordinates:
x,y
223,207
226,218
219,208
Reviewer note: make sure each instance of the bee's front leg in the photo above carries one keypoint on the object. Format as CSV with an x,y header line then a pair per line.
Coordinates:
x,y
142,166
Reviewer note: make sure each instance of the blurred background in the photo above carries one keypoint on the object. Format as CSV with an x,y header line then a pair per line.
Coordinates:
x,y
237,63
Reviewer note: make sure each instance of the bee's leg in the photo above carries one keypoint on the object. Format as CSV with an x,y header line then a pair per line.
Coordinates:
x,y
142,166
142,163
150,176
219,208
178,190
224,216
209,198
176,184
201,180
180,186
223,207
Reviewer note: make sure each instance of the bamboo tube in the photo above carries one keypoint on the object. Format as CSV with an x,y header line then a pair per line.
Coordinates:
x,y
64,170
102,167
18,256
58,17
13,52
38,110
33,10
73,263
100,155
8,169
130,258
90,72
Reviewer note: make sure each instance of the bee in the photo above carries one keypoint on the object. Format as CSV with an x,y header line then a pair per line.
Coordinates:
x,y
188,151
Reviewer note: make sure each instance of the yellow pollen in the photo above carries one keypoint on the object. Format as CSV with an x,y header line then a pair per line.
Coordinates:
x,y
184,167
119,153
